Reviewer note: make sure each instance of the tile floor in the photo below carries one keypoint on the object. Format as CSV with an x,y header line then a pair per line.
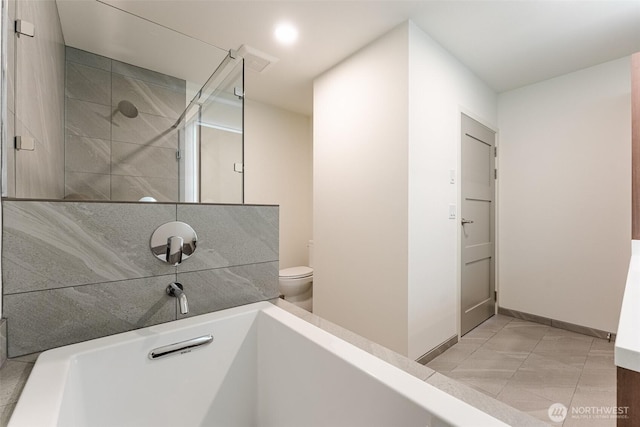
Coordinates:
x,y
531,366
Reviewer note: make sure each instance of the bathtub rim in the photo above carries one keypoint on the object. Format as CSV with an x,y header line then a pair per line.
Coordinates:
x,y
439,403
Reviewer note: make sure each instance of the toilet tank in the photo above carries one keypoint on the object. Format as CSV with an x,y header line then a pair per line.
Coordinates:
x,y
310,247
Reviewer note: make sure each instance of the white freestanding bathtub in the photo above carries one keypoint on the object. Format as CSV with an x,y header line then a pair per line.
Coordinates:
x,y
264,367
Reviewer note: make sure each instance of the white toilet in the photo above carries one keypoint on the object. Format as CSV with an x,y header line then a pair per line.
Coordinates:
x,y
296,284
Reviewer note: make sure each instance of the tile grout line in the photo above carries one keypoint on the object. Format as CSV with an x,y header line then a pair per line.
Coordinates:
x,y
575,390
482,346
516,370
521,364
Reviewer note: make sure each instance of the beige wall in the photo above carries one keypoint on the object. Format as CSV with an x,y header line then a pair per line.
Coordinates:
x,y
635,137
565,196
278,170
360,192
386,136
440,89
219,151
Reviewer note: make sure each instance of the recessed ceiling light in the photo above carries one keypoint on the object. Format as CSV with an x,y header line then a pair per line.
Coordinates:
x,y
286,33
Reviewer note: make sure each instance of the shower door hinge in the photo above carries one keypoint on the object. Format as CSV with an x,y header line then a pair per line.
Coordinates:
x,y
238,167
178,154
25,143
237,91
495,151
25,28
495,174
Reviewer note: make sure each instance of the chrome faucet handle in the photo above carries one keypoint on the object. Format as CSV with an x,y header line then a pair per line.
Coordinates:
x,y
173,242
177,290
175,246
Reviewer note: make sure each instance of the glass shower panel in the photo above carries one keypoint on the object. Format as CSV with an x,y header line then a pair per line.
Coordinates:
x,y
213,139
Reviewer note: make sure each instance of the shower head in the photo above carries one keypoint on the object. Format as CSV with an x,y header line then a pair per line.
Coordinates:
x,y
128,109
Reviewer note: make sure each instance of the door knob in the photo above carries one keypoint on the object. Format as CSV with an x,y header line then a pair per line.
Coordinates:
x,y
466,221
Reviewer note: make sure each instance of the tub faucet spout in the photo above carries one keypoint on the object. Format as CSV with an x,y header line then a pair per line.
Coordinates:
x,y
176,290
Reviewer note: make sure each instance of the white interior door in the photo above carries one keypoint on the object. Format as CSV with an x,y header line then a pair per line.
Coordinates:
x,y
477,221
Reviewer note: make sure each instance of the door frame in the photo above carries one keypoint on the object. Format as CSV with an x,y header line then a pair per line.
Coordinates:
x,y
496,231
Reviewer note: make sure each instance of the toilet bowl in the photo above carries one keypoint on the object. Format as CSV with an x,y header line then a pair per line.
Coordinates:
x,y
296,286
296,283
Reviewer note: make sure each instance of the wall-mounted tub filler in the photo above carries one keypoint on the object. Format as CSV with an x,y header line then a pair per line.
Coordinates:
x,y
177,290
173,242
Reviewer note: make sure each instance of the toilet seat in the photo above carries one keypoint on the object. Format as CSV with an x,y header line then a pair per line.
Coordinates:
x,y
296,272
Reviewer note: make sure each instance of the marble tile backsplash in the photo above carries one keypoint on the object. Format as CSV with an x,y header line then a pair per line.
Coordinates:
x,y
110,156
3,341
74,271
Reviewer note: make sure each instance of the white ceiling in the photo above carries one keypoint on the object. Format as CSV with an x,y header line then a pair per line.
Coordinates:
x,y
508,44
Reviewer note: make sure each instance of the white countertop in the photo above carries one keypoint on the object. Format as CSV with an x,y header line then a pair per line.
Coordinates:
x,y
627,351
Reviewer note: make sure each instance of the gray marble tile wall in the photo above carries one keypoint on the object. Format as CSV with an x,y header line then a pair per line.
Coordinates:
x,y
35,101
3,341
110,156
74,271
